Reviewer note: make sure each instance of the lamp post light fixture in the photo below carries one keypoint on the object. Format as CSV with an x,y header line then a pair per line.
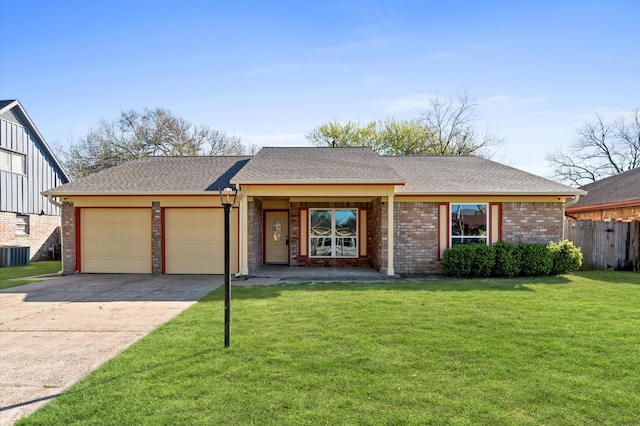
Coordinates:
x,y
227,199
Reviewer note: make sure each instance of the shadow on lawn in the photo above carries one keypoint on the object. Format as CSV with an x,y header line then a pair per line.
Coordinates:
x,y
423,285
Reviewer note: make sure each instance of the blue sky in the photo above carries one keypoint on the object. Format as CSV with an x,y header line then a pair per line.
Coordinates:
x,y
272,71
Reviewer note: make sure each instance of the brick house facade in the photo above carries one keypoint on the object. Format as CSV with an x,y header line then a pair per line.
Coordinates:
x,y
302,207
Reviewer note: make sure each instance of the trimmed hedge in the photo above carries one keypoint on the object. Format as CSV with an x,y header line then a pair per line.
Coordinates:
x,y
508,260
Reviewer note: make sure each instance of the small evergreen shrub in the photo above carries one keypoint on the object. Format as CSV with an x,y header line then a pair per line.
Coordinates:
x,y
457,260
507,260
536,260
484,259
566,257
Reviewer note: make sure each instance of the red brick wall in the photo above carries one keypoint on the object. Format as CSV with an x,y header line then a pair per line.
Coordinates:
x,y
156,238
532,222
68,238
378,219
254,216
44,232
416,238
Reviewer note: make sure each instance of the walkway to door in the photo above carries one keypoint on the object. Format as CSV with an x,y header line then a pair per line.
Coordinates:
x,y
280,273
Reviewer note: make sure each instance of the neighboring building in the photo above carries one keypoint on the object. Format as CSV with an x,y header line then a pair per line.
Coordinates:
x,y
27,168
301,207
616,198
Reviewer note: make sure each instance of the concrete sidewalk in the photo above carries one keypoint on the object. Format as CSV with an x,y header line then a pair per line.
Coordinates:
x,y
54,332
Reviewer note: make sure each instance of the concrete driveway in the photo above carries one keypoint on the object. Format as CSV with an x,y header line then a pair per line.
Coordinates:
x,y
54,332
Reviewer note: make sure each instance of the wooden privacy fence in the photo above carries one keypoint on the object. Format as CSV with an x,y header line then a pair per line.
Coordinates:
x,y
606,245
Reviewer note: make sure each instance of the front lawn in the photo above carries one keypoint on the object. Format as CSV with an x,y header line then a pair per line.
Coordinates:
x,y
8,274
555,350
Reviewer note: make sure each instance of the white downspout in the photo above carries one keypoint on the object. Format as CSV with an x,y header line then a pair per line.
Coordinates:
x,y
54,202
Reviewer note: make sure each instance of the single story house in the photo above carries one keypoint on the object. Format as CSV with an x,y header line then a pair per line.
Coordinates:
x,y
615,198
303,207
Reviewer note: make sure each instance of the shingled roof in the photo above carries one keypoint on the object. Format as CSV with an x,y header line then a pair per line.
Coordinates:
x,y
317,166
166,175
456,175
469,175
620,188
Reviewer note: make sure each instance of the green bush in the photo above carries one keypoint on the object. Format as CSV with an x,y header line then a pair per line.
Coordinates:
x,y
536,260
484,258
566,257
457,260
507,263
508,260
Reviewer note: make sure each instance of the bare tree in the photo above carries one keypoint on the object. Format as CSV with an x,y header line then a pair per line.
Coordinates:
x,y
450,128
603,148
151,132
446,127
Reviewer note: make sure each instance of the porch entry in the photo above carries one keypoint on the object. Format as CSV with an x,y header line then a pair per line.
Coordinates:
x,y
276,237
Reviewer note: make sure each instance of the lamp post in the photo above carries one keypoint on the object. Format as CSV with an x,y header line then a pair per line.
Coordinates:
x,y
227,199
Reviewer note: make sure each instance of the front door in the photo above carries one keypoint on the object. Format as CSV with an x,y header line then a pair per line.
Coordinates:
x,y
276,237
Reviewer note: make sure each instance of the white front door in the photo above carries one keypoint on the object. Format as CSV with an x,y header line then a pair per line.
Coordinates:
x,y
276,237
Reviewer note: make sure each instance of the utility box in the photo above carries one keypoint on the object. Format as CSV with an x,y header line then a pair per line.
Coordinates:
x,y
14,255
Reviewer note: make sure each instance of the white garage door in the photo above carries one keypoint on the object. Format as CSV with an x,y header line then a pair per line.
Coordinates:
x,y
115,240
194,241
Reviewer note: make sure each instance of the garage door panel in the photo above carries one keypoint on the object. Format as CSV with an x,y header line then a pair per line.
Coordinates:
x,y
194,241
116,240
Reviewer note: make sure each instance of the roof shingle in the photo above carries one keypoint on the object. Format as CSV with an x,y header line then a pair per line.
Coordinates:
x,y
317,165
468,175
618,188
158,175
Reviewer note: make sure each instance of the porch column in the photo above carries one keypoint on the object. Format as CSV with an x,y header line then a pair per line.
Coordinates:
x,y
390,203
244,235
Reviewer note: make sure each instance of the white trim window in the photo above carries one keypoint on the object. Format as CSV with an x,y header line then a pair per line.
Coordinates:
x,y
12,161
333,232
469,224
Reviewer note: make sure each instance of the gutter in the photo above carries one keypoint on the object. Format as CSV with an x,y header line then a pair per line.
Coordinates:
x,y
54,202
571,202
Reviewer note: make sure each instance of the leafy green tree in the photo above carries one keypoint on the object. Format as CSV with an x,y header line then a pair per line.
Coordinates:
x,y
151,132
446,127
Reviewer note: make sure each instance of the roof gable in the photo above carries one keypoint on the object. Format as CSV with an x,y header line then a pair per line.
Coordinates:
x,y
317,165
12,110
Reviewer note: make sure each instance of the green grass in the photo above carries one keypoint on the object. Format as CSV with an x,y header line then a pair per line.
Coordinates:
x,y
9,273
555,350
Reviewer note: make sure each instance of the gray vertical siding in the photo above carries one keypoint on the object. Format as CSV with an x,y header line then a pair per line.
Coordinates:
x,y
21,193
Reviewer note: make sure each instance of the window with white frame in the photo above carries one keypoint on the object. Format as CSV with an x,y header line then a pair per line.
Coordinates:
x,y
22,224
12,161
469,224
333,232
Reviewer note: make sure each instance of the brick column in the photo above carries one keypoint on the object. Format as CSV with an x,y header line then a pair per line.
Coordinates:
x,y
156,238
68,238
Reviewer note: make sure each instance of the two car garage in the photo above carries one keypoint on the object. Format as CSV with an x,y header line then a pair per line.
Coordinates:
x,y
121,239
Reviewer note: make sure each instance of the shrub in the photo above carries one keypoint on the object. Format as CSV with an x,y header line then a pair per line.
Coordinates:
x,y
566,257
507,260
536,260
484,258
457,260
